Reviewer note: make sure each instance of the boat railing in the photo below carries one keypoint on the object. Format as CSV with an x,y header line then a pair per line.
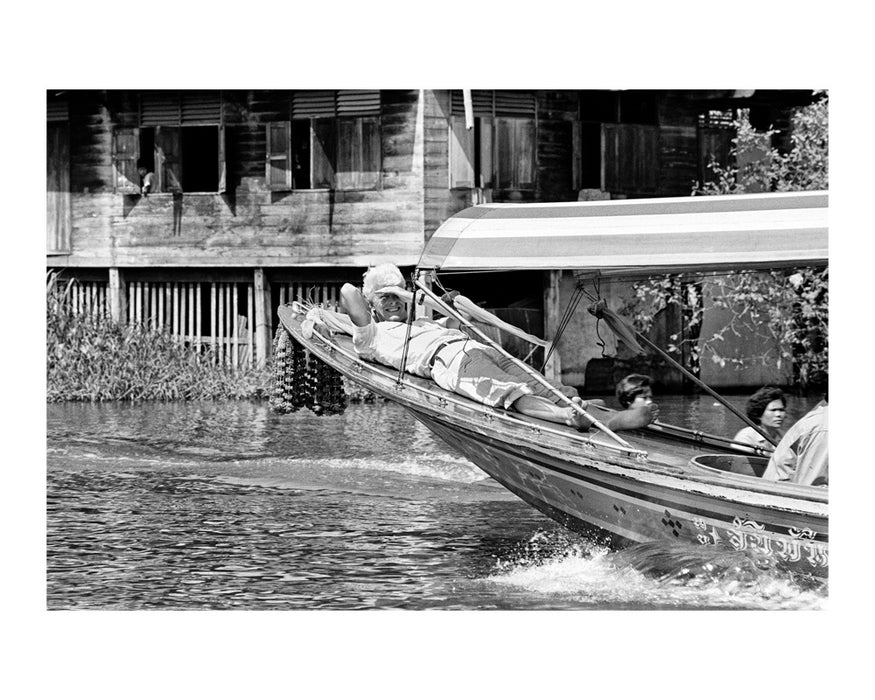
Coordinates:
x,y
704,438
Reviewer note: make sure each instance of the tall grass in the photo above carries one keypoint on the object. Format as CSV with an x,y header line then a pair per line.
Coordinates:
x,y
92,358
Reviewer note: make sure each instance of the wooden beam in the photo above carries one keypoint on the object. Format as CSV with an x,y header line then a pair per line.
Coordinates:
x,y
263,345
552,314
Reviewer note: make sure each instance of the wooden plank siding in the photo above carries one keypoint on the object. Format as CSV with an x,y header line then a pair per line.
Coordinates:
x,y
678,147
249,225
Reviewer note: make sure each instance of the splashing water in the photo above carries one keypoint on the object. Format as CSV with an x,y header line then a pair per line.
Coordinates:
x,y
654,574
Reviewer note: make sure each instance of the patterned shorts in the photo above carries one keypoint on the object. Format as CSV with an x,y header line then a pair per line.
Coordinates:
x,y
484,375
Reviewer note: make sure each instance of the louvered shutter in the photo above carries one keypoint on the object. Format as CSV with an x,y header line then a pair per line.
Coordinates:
x,y
202,108
174,108
313,103
358,103
514,103
57,111
159,109
125,153
481,101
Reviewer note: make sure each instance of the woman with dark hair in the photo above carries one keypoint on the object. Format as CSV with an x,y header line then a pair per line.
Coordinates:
x,y
767,408
636,397
634,389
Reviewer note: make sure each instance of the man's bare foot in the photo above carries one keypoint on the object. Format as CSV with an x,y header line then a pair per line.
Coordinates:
x,y
576,419
634,417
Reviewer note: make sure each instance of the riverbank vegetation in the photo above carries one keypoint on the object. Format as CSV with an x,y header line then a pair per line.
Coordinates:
x,y
89,357
92,358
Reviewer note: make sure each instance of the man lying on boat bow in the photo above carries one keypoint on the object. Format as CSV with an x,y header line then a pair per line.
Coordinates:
x,y
442,352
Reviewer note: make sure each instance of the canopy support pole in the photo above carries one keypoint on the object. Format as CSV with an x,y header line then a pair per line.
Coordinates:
x,y
600,310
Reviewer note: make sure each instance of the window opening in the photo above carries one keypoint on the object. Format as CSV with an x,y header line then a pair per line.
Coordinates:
x,y
180,138
335,141
500,149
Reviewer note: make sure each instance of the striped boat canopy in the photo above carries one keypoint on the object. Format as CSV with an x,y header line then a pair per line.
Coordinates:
x,y
672,233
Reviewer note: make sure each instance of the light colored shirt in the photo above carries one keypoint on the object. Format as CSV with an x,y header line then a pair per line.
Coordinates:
x,y
751,437
383,342
802,456
148,183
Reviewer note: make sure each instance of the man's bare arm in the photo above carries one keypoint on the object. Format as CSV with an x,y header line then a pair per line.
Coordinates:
x,y
355,305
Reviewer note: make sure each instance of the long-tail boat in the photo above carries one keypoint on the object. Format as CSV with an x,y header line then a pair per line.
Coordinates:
x,y
662,482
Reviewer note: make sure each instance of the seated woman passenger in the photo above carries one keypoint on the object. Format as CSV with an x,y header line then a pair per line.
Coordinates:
x,y
440,351
767,408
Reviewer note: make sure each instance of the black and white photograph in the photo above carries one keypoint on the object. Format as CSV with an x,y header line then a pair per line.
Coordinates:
x,y
445,366
453,349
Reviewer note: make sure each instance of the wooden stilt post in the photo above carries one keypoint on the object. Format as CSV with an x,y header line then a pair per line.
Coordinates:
x,y
263,317
118,303
552,280
250,326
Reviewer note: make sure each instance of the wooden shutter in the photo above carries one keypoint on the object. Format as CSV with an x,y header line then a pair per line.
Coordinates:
x,y
125,153
223,169
516,153
647,145
348,154
504,150
372,162
461,153
168,165
358,153
487,157
322,153
630,157
524,153
611,158
278,171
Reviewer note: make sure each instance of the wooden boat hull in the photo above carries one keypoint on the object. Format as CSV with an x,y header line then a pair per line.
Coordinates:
x,y
588,485
628,510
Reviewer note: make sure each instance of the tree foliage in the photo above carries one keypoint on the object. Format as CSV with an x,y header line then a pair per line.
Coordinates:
x,y
756,165
788,309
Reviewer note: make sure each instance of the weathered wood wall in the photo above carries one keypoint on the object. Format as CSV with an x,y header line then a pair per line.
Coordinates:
x,y
248,225
557,121
678,146
59,215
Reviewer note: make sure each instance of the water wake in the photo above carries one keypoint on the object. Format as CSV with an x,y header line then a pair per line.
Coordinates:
x,y
664,575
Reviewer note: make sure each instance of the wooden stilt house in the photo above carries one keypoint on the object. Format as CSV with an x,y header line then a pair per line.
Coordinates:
x,y
259,196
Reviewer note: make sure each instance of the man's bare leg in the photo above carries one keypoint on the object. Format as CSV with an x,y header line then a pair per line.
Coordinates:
x,y
539,407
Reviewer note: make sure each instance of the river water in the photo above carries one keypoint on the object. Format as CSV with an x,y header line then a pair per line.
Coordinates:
x,y
214,506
